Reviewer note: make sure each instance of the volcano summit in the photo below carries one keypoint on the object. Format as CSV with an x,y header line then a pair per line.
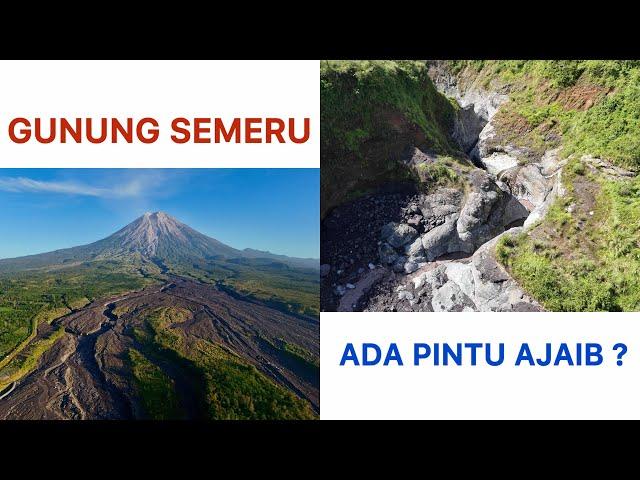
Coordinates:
x,y
152,236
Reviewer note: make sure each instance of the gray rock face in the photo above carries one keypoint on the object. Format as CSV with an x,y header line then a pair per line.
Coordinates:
x,y
475,213
433,278
439,240
462,275
398,234
467,127
514,211
437,206
420,259
452,223
450,298
482,216
472,127
535,186
493,154
411,266
469,223
484,103
414,249
498,162
486,143
527,183
514,189
477,284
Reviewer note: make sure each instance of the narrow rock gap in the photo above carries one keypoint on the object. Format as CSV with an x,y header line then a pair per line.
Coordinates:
x,y
466,132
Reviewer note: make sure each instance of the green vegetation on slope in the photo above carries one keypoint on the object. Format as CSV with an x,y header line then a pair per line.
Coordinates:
x,y
156,390
286,288
233,389
300,353
441,172
295,353
578,261
49,294
27,360
588,106
370,112
353,93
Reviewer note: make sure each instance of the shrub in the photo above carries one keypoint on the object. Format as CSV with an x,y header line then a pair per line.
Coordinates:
x,y
437,174
577,167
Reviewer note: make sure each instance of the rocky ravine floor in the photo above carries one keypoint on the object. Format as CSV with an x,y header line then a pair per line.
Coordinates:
x,y
435,251
83,376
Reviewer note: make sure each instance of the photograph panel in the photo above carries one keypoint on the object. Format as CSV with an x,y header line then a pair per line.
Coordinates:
x,y
159,294
480,185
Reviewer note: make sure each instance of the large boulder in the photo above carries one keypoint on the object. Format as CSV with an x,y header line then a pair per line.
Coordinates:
x,y
450,298
462,275
473,223
478,284
398,234
414,249
499,161
411,265
487,141
433,279
452,222
437,206
439,240
514,211
527,184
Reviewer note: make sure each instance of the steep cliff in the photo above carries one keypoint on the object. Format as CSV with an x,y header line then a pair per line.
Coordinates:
x,y
372,114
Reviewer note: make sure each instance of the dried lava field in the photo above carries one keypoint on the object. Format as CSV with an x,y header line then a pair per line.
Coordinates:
x,y
178,350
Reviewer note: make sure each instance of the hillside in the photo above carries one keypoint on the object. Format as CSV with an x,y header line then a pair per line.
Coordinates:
x,y
584,254
544,150
372,113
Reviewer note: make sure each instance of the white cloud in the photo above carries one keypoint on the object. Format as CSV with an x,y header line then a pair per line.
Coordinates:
x,y
134,187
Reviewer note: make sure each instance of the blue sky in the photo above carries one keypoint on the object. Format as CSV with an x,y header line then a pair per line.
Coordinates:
x,y
268,209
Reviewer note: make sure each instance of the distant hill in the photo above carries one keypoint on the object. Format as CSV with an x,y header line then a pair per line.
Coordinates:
x,y
292,261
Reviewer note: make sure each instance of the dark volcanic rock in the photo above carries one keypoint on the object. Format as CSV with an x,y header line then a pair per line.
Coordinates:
x,y
84,376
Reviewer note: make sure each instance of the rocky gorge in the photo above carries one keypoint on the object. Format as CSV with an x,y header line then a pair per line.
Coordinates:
x,y
404,247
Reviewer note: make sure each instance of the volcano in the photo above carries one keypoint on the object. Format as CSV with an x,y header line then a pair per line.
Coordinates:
x,y
159,235
154,236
